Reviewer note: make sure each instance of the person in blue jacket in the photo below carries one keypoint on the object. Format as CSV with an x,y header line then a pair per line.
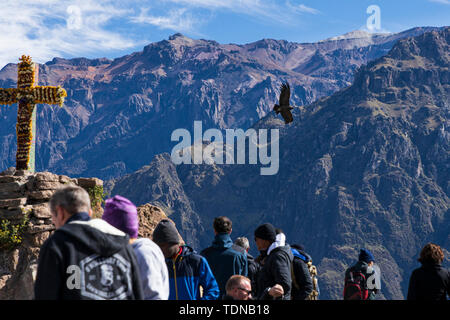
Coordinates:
x,y
188,271
223,259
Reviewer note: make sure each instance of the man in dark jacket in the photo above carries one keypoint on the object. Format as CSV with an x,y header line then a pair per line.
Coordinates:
x,y
364,266
222,258
84,259
188,271
274,280
431,281
242,244
302,284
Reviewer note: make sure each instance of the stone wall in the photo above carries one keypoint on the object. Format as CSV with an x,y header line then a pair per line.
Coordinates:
x,y
23,193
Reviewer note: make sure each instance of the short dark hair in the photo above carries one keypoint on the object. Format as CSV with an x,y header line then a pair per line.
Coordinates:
x,y
431,253
222,224
235,281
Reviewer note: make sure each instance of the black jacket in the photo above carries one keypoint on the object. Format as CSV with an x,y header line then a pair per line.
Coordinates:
x,y
276,269
429,282
303,285
253,269
87,260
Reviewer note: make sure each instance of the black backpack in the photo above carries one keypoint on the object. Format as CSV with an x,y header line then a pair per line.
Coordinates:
x,y
355,287
314,295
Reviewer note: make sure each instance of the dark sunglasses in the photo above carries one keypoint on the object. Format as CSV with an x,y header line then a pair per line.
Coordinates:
x,y
245,290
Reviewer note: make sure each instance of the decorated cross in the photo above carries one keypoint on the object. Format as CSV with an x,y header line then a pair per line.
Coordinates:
x,y
27,95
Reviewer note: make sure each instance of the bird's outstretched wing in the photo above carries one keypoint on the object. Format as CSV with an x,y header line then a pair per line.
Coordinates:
x,y
285,94
287,116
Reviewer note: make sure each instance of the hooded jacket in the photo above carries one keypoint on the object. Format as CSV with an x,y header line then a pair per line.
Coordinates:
x,y
224,260
429,282
87,260
187,272
302,276
276,269
153,269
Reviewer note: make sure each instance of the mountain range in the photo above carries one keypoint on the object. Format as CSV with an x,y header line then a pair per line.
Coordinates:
x,y
367,167
364,164
129,106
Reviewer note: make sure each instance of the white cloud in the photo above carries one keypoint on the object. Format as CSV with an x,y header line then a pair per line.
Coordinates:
x,y
48,28
272,11
177,19
301,8
44,29
75,19
234,5
441,1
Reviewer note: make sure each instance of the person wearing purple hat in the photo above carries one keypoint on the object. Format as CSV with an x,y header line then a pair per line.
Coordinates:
x,y
122,214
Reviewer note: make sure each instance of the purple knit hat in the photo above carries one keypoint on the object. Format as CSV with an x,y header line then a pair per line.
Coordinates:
x,y
122,214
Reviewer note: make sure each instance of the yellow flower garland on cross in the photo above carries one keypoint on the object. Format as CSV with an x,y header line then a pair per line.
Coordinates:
x,y
27,95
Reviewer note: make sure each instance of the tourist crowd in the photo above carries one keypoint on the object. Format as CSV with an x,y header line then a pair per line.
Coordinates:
x,y
106,259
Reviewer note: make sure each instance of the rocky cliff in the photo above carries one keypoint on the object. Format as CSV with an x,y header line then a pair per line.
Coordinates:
x,y
120,113
366,167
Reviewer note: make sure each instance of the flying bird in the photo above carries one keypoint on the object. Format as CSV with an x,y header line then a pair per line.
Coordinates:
x,y
284,108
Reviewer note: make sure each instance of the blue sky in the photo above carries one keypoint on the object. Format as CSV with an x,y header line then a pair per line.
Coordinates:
x,y
111,28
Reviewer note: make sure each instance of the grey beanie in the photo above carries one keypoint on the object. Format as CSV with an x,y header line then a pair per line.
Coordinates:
x,y
166,232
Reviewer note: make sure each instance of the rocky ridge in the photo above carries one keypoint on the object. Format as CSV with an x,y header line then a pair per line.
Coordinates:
x,y
131,105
